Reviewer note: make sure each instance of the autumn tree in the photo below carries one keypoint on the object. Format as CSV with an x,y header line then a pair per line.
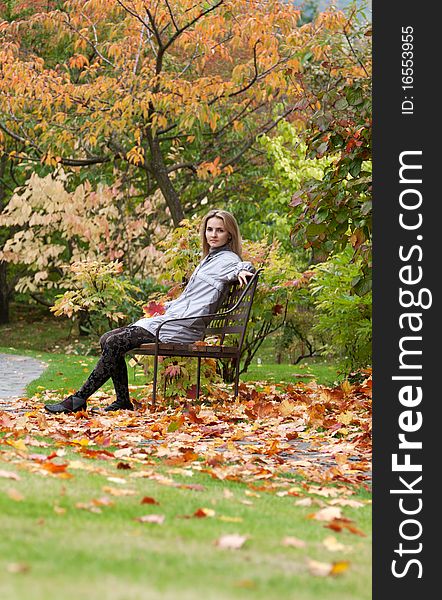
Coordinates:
x,y
178,89
335,210
51,227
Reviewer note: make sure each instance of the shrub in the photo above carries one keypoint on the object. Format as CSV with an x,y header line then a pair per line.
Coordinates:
x,y
343,317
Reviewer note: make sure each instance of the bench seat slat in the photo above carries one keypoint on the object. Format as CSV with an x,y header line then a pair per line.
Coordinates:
x,y
186,350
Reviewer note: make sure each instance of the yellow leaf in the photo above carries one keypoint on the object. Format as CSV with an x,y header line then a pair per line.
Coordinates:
x,y
346,417
286,407
17,444
346,387
83,442
226,519
339,567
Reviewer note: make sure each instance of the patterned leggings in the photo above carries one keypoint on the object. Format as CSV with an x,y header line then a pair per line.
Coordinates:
x,y
112,365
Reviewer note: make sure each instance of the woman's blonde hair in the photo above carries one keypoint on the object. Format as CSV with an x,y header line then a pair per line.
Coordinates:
x,y
235,241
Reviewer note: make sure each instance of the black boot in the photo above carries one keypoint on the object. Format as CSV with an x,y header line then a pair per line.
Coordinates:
x,y
119,405
70,404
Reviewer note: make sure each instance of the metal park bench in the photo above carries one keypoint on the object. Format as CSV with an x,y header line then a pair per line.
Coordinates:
x,y
232,317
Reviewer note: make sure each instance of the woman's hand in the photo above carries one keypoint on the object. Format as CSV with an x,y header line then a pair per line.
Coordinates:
x,y
243,276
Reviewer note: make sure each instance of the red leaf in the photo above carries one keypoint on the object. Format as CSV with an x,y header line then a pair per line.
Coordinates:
x,y
148,500
154,308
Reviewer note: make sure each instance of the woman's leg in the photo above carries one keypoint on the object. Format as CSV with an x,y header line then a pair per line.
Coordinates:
x,y
118,376
111,364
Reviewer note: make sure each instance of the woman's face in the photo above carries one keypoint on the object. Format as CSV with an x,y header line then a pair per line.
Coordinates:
x,y
216,232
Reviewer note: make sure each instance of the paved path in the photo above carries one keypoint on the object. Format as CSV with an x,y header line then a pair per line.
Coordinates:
x,y
15,374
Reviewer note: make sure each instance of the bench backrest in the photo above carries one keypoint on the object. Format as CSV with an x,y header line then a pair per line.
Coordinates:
x,y
234,321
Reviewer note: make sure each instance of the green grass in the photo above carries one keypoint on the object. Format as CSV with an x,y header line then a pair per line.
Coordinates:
x,y
79,554
321,372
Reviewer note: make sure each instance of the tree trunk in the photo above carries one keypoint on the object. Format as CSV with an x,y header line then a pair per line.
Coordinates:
x,y
4,294
159,170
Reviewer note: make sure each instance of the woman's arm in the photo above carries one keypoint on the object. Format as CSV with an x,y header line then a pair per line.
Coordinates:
x,y
243,276
239,270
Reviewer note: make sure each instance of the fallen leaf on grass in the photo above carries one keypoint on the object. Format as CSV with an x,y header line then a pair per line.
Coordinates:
x,y
103,501
59,510
148,500
340,524
118,491
245,583
347,502
204,512
89,506
123,465
231,541
121,452
197,487
230,519
158,519
116,480
17,444
339,567
10,475
15,495
55,468
321,569
304,502
294,542
332,544
18,568
200,513
327,514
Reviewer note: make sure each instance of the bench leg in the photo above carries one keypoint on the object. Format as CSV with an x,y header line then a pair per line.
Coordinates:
x,y
155,378
236,377
198,377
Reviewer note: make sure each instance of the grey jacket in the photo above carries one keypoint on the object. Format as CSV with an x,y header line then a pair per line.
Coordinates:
x,y
202,295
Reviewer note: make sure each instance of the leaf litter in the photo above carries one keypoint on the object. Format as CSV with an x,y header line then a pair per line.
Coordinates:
x,y
264,438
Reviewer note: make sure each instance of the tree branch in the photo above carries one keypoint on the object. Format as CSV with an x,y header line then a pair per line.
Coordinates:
x,y
192,22
71,162
19,138
137,58
268,127
172,17
254,78
134,14
93,46
184,165
351,45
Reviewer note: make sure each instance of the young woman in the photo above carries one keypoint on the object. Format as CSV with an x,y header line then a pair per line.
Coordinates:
x,y
221,264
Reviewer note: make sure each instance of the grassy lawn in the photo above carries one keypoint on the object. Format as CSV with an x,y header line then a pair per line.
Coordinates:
x,y
71,538
73,533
